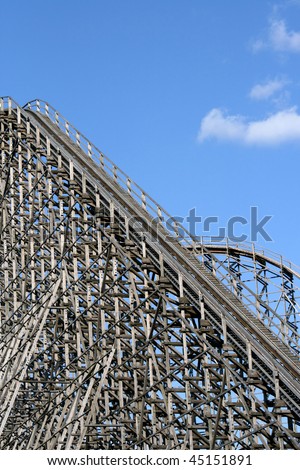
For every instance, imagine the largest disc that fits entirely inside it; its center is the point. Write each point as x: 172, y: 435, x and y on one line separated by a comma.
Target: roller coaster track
x: 119, y: 333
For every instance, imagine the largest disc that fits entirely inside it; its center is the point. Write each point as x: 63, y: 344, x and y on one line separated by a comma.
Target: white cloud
x: 281, y: 127
x: 264, y: 91
x: 215, y: 124
x: 283, y: 40
x: 278, y: 38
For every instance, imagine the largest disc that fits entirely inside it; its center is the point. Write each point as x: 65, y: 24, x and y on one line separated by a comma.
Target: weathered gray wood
x: 111, y: 339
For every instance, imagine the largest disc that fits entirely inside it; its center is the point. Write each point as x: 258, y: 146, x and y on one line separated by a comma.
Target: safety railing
x: 251, y: 248
x: 269, y: 306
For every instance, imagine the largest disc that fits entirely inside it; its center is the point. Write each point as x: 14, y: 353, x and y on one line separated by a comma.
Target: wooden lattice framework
x: 113, y: 334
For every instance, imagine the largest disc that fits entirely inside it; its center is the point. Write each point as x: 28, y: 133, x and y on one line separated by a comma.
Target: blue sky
x: 197, y: 100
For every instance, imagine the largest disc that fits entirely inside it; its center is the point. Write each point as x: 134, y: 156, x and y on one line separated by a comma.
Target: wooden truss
x: 113, y: 334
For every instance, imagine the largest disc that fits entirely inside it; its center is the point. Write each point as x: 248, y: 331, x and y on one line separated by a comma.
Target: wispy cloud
x: 278, y: 128
x: 258, y: 45
x: 216, y: 125
x: 279, y: 38
x: 265, y: 90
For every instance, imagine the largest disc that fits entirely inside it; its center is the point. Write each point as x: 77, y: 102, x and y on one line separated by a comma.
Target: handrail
x: 249, y: 249
x: 285, y: 330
